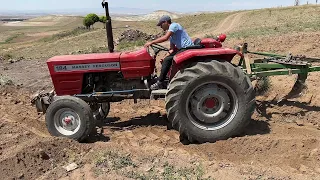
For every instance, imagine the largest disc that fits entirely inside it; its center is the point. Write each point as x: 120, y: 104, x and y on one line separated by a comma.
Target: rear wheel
x: 210, y: 101
x: 70, y: 117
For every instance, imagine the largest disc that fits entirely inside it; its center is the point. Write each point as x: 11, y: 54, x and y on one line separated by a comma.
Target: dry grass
x: 5, y: 80
x: 279, y: 21
x: 111, y: 162
x: 202, y: 22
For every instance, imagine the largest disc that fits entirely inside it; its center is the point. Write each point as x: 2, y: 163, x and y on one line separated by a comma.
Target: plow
x: 208, y: 98
x: 275, y: 65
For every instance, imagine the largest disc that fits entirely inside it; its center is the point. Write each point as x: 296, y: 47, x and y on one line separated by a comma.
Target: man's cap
x: 163, y: 19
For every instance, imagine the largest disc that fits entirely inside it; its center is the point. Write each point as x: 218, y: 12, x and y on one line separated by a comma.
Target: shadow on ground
x: 262, y: 107
x: 255, y: 127
x: 114, y: 124
x: 153, y: 119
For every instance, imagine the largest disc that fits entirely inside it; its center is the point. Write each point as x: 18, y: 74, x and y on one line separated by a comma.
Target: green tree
x: 88, y: 22
x: 91, y: 19
x: 103, y: 19
x: 94, y: 17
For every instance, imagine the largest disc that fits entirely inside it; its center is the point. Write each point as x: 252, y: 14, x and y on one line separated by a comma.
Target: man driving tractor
x: 179, y: 39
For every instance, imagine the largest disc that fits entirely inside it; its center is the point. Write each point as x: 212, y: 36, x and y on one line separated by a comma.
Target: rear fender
x: 218, y: 53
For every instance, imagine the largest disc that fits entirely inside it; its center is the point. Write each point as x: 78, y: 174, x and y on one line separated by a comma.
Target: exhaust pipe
x: 108, y: 27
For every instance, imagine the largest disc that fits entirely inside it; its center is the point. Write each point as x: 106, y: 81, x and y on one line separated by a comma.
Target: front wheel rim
x: 67, y: 122
x: 212, y: 105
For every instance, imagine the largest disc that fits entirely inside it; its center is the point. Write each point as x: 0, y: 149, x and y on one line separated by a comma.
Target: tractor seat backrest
x: 197, y: 44
x: 197, y: 41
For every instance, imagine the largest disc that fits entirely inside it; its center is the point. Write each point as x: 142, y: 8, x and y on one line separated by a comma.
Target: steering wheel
x: 158, y: 46
x: 156, y: 49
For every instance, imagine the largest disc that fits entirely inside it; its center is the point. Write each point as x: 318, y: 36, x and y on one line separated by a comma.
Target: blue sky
x: 133, y: 5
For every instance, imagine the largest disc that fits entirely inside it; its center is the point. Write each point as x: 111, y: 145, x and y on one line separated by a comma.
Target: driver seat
x: 197, y: 44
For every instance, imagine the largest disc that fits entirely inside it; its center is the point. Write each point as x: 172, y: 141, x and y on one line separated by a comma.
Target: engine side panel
x: 136, y: 64
x: 109, y: 81
x: 67, y: 71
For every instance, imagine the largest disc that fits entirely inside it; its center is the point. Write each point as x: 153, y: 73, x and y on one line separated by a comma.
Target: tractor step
x: 158, y: 94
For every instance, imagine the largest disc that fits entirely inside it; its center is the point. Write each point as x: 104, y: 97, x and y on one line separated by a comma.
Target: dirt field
x: 281, y: 142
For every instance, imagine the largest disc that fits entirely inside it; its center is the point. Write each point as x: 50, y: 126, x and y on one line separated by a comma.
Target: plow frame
x: 275, y: 64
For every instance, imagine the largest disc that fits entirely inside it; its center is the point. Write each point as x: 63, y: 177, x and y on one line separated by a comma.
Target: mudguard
x: 223, y: 53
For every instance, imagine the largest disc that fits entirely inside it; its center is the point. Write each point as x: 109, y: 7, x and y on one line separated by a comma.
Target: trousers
x: 166, y: 64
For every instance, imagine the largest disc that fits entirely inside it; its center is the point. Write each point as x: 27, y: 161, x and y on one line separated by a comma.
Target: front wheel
x: 70, y: 117
x: 100, y: 110
x: 210, y: 101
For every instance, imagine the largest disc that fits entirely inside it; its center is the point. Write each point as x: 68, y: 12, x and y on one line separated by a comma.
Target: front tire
x: 210, y: 101
x: 70, y: 117
x: 100, y: 110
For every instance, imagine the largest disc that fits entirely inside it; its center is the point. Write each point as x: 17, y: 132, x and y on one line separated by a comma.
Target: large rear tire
x: 210, y: 101
x: 70, y: 117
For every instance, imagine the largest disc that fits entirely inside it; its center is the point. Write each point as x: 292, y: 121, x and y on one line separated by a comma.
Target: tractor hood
x: 87, y: 62
x: 86, y: 57
x: 67, y: 71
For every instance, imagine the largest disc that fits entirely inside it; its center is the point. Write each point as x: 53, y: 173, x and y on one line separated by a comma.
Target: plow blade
x: 299, y: 87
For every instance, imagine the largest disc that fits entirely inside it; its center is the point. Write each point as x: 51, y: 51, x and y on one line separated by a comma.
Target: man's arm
x: 172, y: 47
x: 160, y: 40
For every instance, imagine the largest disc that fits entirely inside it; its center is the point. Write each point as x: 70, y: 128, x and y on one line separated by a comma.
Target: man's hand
x: 148, y: 44
x: 171, y: 51
x: 160, y: 40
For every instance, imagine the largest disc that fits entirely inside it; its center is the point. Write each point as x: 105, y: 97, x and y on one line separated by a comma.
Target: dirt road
x: 227, y: 25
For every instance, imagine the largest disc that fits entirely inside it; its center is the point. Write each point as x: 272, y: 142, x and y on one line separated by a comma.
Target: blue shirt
x: 180, y: 38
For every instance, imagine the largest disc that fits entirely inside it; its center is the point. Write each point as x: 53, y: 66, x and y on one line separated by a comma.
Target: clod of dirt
x: 70, y: 167
x: 15, y: 60
x: 41, y: 156
x: 136, y: 35
x: 4, y: 80
x: 300, y: 122
x: 303, y: 169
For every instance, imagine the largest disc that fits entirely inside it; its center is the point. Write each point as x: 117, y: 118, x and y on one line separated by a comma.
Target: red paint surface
x: 132, y: 64
x: 226, y: 53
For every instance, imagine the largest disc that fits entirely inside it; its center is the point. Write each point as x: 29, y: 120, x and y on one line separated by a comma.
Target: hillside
x: 237, y: 25
x: 147, y: 17
x: 46, y: 21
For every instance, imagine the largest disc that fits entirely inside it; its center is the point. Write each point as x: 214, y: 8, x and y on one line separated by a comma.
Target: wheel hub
x: 67, y: 121
x: 210, y: 105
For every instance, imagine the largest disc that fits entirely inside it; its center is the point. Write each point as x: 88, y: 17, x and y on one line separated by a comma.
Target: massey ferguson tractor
x: 208, y: 98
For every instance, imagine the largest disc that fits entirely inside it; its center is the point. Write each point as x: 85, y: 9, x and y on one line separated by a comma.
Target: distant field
x: 32, y: 29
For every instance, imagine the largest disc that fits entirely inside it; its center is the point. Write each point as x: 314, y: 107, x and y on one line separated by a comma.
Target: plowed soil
x: 281, y: 142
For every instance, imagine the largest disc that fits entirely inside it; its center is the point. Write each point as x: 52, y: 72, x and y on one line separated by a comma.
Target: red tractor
x: 207, y: 97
